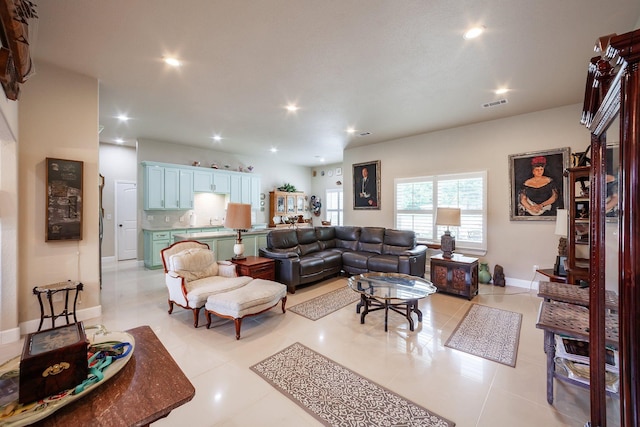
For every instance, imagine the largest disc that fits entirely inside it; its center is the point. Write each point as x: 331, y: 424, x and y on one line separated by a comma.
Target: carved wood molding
x: 15, y: 59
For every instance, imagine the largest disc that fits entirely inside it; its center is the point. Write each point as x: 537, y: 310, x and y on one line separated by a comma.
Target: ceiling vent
x: 364, y: 134
x: 494, y: 103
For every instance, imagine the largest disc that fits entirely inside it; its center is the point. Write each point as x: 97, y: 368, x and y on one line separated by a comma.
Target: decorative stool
x: 52, y: 289
x: 254, y: 298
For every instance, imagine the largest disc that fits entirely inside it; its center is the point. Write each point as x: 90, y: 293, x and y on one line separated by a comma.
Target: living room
x: 57, y: 117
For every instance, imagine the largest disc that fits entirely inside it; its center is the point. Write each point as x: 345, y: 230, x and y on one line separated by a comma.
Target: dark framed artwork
x: 366, y: 185
x: 537, y: 185
x: 64, y: 199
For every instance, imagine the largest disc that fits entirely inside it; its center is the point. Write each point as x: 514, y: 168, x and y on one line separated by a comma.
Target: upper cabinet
x: 172, y: 187
x: 287, y: 204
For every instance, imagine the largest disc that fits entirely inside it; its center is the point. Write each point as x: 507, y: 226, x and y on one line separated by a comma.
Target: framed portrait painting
x: 537, y: 185
x: 64, y: 199
x: 366, y: 185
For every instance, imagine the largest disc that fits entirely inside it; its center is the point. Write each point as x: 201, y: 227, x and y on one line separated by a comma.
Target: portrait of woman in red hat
x: 537, y: 184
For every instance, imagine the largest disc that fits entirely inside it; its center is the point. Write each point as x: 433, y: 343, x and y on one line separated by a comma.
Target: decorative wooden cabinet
x: 457, y: 275
x: 282, y: 203
x: 578, y: 230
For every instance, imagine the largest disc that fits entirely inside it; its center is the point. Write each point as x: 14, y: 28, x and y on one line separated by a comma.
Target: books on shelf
x: 573, y: 355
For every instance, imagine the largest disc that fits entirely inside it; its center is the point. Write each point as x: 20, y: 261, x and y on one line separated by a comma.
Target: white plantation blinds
x: 418, y: 198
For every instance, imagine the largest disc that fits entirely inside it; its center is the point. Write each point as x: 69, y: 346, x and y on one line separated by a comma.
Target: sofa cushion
x: 194, y: 263
x: 199, y: 290
x: 283, y: 239
x: 383, y: 263
x: 326, y: 237
x: 307, y: 241
x: 347, y: 237
x: 371, y: 239
x: 332, y: 259
x: 311, y: 264
x: 356, y: 259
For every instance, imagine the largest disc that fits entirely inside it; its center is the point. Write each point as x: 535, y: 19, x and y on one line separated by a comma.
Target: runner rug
x: 488, y: 332
x: 337, y: 396
x: 325, y: 304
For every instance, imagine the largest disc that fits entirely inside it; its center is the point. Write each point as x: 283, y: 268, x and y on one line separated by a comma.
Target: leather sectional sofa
x: 306, y: 255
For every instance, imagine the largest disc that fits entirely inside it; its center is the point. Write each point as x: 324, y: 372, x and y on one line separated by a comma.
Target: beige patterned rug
x: 325, y: 304
x: 337, y: 396
x: 488, y: 332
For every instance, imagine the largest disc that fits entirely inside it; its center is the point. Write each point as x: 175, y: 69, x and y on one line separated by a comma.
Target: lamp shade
x: 448, y: 216
x: 561, y: 222
x: 238, y: 216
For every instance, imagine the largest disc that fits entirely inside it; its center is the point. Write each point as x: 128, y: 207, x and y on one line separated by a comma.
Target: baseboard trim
x: 10, y: 335
x: 83, y: 314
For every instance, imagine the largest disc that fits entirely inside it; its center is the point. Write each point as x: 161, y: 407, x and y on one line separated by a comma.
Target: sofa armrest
x: 416, y: 250
x: 176, y: 287
x: 277, y: 255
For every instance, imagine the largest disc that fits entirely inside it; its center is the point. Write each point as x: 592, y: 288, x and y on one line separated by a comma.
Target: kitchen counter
x: 187, y: 227
x: 205, y: 235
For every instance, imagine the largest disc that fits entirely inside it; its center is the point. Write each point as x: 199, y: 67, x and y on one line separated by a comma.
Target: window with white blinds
x: 334, y: 207
x: 418, y: 198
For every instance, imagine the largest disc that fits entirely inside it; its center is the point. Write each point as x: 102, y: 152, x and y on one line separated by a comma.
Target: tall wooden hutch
x: 612, y: 92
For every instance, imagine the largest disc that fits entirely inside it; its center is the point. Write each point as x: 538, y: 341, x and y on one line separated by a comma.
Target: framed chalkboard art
x: 64, y: 200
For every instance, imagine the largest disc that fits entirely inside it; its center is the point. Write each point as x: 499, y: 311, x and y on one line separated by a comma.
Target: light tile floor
x: 466, y: 389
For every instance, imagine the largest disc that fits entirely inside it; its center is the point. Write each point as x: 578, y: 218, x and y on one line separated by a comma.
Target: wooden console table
x: 457, y: 275
x: 148, y: 388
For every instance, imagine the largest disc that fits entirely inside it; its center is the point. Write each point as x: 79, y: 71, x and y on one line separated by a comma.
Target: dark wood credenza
x: 457, y: 275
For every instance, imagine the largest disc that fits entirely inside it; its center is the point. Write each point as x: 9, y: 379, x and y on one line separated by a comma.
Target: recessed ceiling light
x: 474, y: 32
x: 123, y: 117
x: 292, y: 108
x: 216, y: 138
x: 351, y: 131
x: 120, y: 140
x: 274, y: 150
x: 501, y: 91
x: 174, y: 62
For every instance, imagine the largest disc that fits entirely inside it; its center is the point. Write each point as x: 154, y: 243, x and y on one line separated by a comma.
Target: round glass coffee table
x: 390, y: 291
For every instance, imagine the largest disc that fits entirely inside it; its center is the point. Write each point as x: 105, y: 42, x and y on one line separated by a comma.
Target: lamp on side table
x: 238, y: 218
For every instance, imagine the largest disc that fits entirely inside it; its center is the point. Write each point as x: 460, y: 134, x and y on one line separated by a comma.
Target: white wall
x: 58, y: 118
x: 516, y: 245
x: 117, y: 163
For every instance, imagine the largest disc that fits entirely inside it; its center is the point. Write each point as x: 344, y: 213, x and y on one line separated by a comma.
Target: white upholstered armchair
x: 192, y: 275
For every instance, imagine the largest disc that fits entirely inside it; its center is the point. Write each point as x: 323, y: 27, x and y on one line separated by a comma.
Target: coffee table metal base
x: 373, y: 304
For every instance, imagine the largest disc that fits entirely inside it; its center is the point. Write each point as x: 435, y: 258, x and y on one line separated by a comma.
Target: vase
x: 483, y: 275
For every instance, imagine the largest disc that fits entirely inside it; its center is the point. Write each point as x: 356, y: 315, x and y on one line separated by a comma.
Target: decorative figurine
x: 498, y: 276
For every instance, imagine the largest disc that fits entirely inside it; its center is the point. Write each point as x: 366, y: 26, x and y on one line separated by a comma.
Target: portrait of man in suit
x: 366, y: 185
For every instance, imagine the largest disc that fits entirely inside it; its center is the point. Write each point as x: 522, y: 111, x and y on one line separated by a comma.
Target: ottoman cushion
x: 256, y: 296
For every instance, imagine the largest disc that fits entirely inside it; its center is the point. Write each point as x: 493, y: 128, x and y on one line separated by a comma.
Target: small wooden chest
x: 52, y: 361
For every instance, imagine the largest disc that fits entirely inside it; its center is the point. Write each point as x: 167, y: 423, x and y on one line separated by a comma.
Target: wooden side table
x: 548, y: 272
x: 457, y: 275
x: 256, y: 267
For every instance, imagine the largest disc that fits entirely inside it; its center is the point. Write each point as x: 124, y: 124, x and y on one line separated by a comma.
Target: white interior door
x: 126, y: 220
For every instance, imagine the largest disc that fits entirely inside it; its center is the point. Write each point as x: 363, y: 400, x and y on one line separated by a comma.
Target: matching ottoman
x: 254, y: 298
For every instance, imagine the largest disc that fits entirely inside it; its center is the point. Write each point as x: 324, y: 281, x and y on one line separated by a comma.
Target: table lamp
x: 562, y: 218
x: 238, y: 218
x: 448, y: 217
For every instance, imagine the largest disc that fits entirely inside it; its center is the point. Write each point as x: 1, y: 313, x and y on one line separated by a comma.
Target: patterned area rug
x: 488, y: 332
x: 325, y: 304
x: 337, y: 396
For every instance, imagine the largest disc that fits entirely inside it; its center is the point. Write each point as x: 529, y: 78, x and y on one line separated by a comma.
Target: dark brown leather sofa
x: 306, y: 255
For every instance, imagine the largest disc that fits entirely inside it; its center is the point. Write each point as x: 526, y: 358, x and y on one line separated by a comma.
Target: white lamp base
x: 238, y: 249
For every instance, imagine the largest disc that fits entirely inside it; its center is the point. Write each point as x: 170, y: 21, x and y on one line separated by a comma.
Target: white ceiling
x: 393, y: 68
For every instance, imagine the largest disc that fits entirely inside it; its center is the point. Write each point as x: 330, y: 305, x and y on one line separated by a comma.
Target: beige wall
x: 58, y: 118
x: 516, y: 245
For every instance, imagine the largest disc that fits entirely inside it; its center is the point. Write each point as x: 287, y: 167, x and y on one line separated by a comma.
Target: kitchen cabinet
x: 154, y: 242
x: 185, y: 198
x: 203, y: 181
x: 221, y: 182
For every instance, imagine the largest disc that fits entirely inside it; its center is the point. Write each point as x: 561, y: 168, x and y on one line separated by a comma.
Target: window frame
x: 339, y: 213
x: 466, y: 245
